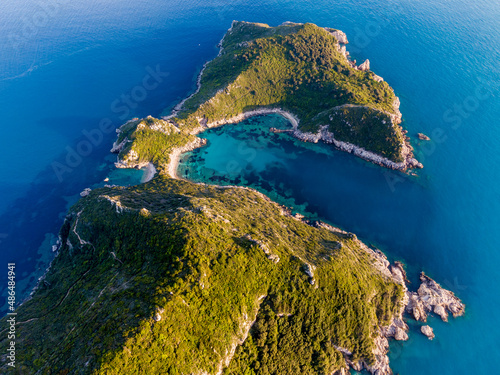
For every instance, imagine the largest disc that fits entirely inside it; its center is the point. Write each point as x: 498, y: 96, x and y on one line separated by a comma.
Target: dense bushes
x: 172, y: 274
x: 300, y: 69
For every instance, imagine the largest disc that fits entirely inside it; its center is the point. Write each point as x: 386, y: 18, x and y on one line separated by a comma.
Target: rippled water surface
x: 72, y: 71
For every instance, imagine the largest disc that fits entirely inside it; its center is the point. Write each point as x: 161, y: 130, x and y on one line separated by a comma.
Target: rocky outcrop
x: 131, y: 160
x: 338, y: 34
x: 416, y: 308
x: 365, y: 66
x: 118, y: 147
x: 85, y: 192
x: 272, y: 257
x: 343, y: 51
x: 176, y: 153
x: 423, y: 137
x: 342, y: 371
x: 309, y: 270
x: 163, y: 126
x: 396, y: 330
x: 431, y: 297
x: 119, y: 207
x: 381, y: 363
x: 427, y: 331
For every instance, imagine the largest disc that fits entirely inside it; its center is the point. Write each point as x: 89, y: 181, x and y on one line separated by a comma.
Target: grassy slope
x: 297, y: 68
x: 182, y: 250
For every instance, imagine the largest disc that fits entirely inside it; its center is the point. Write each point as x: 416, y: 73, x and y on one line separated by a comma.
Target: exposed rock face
x: 273, y: 257
x: 423, y: 137
x: 431, y: 297
x: 163, y: 126
x: 85, y: 192
x: 117, y: 147
x: 342, y: 371
x: 338, y: 34
x: 416, y: 307
x: 381, y: 364
x: 414, y: 163
x: 397, y: 117
x: 396, y: 330
x: 343, y: 51
x: 426, y: 330
x: 309, y: 270
x: 131, y: 160
x: 365, y: 66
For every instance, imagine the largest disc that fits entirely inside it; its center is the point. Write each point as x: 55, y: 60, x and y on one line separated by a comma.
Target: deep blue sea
x: 72, y: 71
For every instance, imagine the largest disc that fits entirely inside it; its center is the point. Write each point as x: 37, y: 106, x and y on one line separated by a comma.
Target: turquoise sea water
x: 71, y: 71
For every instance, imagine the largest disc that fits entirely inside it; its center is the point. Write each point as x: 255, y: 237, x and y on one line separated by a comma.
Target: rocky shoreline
x: 324, y: 135
x: 430, y: 297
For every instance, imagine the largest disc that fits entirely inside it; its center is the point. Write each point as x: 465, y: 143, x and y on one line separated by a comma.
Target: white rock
x: 428, y: 331
x: 85, y: 192
x: 339, y: 35
x: 432, y: 297
x: 439, y: 310
x: 365, y: 66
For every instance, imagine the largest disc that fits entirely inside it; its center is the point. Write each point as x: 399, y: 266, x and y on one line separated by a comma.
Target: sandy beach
x: 149, y: 173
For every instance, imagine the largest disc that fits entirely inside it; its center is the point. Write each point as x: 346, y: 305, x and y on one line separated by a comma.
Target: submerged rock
x: 338, y: 34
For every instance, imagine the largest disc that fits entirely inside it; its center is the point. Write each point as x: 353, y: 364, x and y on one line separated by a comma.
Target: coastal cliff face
x: 149, y: 140
x: 303, y: 70
x: 172, y: 276
x: 176, y: 277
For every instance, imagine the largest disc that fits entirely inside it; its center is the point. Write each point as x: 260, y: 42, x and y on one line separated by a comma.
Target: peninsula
x: 302, y: 72
x: 175, y: 277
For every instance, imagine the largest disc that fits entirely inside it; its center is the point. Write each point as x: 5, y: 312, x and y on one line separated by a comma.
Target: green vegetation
x: 165, y: 277
x: 364, y: 127
x: 172, y: 277
x: 301, y: 69
x: 150, y: 140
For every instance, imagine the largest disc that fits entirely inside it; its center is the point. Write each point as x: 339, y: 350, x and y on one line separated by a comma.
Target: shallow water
x: 73, y: 70
x: 320, y: 182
